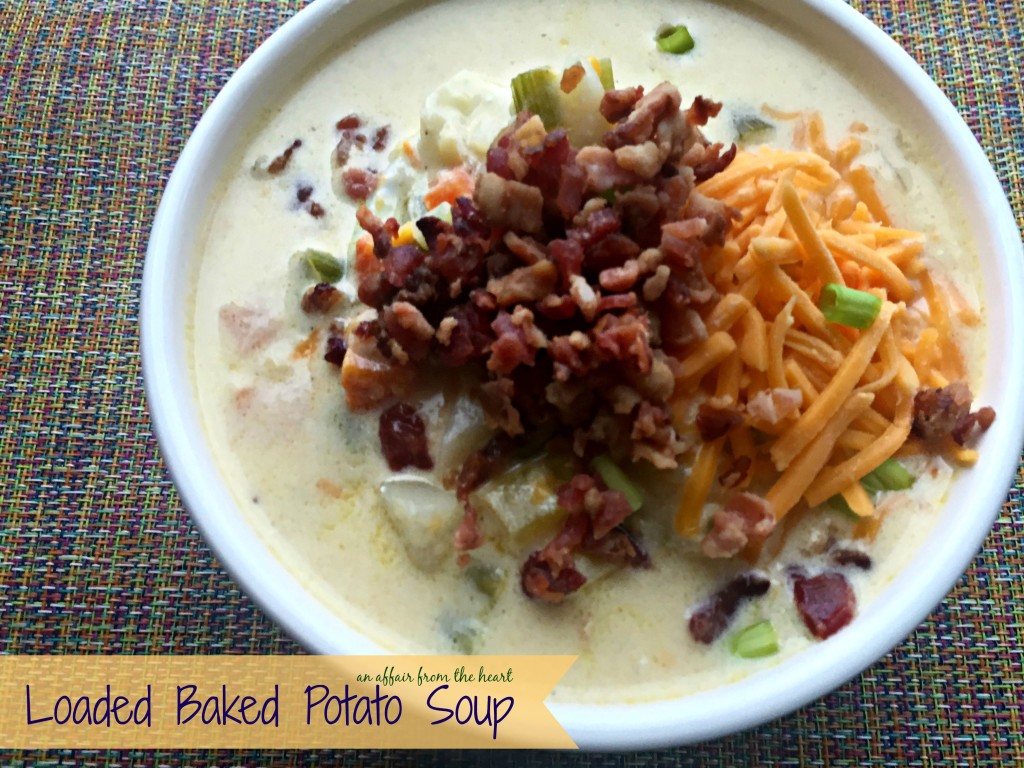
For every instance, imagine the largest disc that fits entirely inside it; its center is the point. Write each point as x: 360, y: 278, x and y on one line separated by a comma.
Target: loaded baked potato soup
x: 651, y: 342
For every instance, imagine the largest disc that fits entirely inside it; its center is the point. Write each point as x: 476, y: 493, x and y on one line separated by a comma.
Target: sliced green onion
x: 675, y: 39
x: 464, y: 634
x: 325, y: 267
x: 890, y: 475
x: 750, y: 128
x: 840, y: 504
x: 538, y: 91
x: 606, y: 74
x: 489, y: 581
x: 848, y: 306
x: 755, y: 641
x: 616, y: 479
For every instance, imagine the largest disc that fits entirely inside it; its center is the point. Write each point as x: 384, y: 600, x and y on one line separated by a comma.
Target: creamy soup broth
x: 280, y: 427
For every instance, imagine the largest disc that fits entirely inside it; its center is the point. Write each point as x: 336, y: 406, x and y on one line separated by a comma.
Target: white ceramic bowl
x: 973, y: 503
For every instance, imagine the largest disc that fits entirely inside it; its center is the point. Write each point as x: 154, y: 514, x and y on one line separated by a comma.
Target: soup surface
x: 309, y: 472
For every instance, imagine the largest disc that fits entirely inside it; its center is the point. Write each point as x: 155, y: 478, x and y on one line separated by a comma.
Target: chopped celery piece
x: 325, y: 267
x: 616, y: 479
x: 751, y: 129
x: 578, y: 111
x: 464, y: 633
x: 538, y: 91
x: 890, y: 475
x: 487, y: 579
x: 755, y: 641
x: 606, y: 73
x: 848, y: 306
x: 674, y: 39
x: 840, y: 504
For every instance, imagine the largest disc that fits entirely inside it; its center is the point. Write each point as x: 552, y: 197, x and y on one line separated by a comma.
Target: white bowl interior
x: 852, y: 40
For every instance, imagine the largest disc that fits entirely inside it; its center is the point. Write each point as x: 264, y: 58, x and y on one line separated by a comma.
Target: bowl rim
x: 765, y: 695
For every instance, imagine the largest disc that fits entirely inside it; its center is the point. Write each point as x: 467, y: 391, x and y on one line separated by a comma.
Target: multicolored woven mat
x: 96, y: 553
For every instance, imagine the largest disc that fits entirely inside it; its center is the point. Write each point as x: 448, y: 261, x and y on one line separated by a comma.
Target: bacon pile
x: 567, y: 281
x: 567, y: 278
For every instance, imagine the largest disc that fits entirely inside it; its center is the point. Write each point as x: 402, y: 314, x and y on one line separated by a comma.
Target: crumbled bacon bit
x: 714, y: 422
x: 619, y: 546
x: 320, y: 298
x: 279, y: 163
x: 849, y: 556
x: 403, y: 438
x: 359, y: 183
x: 316, y: 210
x: 468, y: 535
x: 524, y: 285
x: 713, y: 162
x: 496, y: 399
x: 774, y: 405
x: 349, y: 123
x: 618, y: 103
x: 586, y: 493
x: 745, y: 519
x: 480, y: 467
x: 713, y: 616
x: 303, y: 193
x: 334, y: 352
x: 541, y: 581
x: 973, y: 424
x: 701, y: 110
x: 826, y: 602
x: 736, y: 474
x: 937, y: 410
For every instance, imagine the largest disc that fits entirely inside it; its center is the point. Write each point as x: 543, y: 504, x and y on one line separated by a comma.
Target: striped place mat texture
x: 97, y: 554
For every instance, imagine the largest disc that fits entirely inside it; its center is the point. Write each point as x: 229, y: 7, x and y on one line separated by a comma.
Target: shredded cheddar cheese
x: 809, y: 217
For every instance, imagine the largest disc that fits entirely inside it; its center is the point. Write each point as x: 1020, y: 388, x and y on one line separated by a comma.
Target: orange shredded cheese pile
x: 808, y: 217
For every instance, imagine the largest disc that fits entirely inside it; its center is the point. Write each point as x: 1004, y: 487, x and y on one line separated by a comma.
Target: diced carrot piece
x: 449, y: 186
x: 370, y: 382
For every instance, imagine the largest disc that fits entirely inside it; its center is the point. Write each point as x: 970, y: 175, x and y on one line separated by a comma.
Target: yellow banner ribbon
x: 280, y: 702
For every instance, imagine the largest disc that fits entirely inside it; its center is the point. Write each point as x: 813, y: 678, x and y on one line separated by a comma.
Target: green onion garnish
x: 839, y: 504
x: 890, y: 475
x: 674, y: 39
x: 848, y: 306
x: 606, y: 74
x: 325, y: 267
x: 616, y: 479
x: 755, y: 641
x: 750, y: 128
x: 538, y: 91
x: 489, y: 581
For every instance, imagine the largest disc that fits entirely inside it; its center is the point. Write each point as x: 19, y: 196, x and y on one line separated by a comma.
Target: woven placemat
x: 96, y: 553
